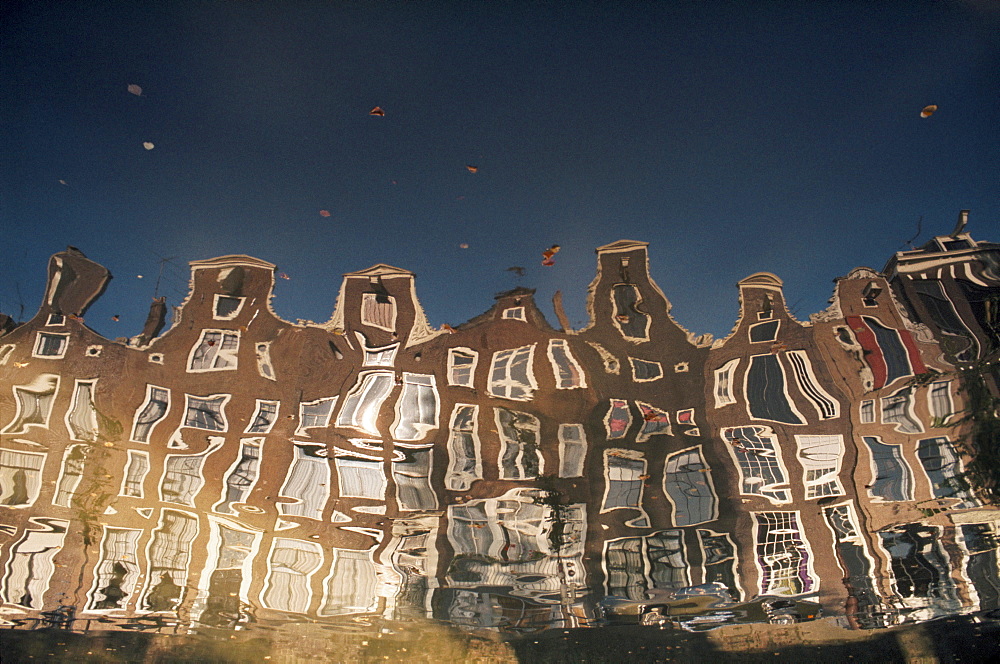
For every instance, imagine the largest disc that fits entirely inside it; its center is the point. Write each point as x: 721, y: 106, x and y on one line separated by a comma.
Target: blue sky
x: 733, y: 137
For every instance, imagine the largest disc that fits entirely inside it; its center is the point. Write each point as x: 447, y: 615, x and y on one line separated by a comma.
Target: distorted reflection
x: 372, y: 471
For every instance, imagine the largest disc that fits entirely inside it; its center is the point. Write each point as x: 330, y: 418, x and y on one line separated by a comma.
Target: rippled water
x: 241, y: 488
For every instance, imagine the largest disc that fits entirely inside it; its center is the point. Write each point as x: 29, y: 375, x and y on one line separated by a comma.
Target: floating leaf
x: 377, y: 111
x: 148, y: 145
x: 324, y: 213
x: 928, y: 111
x: 548, y: 256
x: 135, y: 89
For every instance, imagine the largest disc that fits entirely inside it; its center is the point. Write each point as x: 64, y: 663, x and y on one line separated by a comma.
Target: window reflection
x: 30, y: 565
x: 34, y: 403
x: 412, y: 475
x: 169, y: 555
x: 464, y: 460
x: 893, y: 479
x: 520, y: 456
x: 241, y: 476
x: 784, y: 557
x: 117, y: 571
x: 636, y: 565
x: 687, y: 482
x: 290, y: 566
x: 20, y: 477
x: 351, y: 586
x: 308, y: 482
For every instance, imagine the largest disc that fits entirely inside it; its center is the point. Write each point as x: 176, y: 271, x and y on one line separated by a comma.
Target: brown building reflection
x: 501, y: 474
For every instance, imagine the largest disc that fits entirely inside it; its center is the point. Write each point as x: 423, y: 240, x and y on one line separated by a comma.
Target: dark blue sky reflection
x: 734, y: 137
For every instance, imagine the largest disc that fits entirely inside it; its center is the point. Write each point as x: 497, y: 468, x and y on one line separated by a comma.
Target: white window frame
x: 905, y: 394
x: 71, y: 484
x: 725, y: 381
x: 514, y: 313
x: 215, y: 306
x: 397, y: 470
x: 354, y: 580
x: 40, y: 387
x: 299, y: 579
x: 209, y: 398
x: 40, y: 342
x: 617, y: 315
x: 769, y: 321
x: 728, y: 562
x: 365, y: 462
x: 572, y: 450
x: 322, y: 418
x: 133, y: 455
x: 35, y: 550
x: 197, y: 483
x: 574, y: 367
x: 690, y: 419
x: 786, y: 391
x: 778, y: 493
x: 612, y: 405
x: 453, y: 377
x: 168, y: 553
x: 262, y: 350
x: 633, y: 361
x: 240, y: 463
x: 383, y: 356
x: 829, y: 465
x: 826, y: 406
x: 414, y: 386
x: 505, y: 386
x: 369, y: 297
x: 647, y: 431
x: 221, y: 354
x: 632, y: 455
x: 702, y: 474
x: 5, y: 352
x: 33, y: 483
x: 141, y: 409
x: 777, y: 572
x: 366, y: 420
x: 256, y: 413
x: 456, y: 479
x: 90, y: 415
x: 906, y: 471
x: 119, y: 548
x: 866, y: 411
x: 307, y: 482
x: 520, y: 469
x: 940, y: 389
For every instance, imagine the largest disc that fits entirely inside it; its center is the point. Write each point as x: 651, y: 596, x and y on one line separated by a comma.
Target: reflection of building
x: 502, y: 473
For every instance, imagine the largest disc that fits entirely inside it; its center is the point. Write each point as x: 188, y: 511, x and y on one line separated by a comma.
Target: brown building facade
x: 501, y: 474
